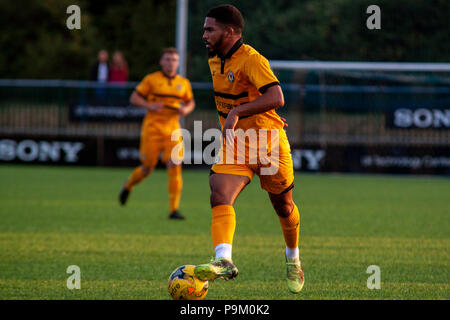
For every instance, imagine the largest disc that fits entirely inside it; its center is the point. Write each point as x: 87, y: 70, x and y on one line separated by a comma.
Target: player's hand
x: 156, y: 107
x: 284, y: 122
x: 230, y: 122
x: 184, y: 111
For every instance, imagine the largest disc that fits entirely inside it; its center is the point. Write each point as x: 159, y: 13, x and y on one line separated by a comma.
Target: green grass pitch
x: 53, y: 217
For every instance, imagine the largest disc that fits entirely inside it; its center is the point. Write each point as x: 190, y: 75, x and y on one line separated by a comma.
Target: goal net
x: 384, y: 115
x: 377, y: 103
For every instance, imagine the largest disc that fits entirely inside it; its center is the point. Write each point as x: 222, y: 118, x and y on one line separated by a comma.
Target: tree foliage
x: 35, y: 42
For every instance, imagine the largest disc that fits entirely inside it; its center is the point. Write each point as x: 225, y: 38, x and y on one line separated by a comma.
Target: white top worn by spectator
x: 102, y: 72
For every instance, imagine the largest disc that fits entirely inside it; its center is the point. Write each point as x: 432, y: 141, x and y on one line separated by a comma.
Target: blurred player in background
x: 247, y: 94
x: 166, y: 95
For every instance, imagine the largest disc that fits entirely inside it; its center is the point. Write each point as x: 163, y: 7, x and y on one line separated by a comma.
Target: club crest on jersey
x: 179, y: 87
x: 230, y: 76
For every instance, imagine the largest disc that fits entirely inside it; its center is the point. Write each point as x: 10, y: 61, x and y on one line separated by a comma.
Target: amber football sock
x: 135, y: 177
x: 223, y: 224
x: 175, y: 186
x: 291, y: 226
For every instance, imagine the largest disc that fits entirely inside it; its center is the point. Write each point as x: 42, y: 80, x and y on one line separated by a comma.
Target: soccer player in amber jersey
x: 247, y: 94
x: 166, y: 95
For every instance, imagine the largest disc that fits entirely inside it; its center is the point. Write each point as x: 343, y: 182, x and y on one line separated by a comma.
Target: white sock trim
x: 223, y: 250
x: 292, y: 253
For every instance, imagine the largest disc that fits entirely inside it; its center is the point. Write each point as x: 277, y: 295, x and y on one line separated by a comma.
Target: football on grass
x: 184, y: 285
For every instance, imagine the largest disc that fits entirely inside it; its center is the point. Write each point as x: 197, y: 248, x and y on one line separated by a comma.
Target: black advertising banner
x: 98, y: 112
x: 306, y: 158
x: 48, y: 150
x: 372, y: 159
x: 125, y: 152
x: 418, y: 118
x: 121, y: 152
x: 405, y: 159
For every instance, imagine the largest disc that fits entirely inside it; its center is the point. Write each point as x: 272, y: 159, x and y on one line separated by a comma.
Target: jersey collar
x: 166, y: 76
x: 233, y: 49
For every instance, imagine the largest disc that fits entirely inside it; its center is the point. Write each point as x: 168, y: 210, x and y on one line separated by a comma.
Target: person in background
x: 100, y: 70
x: 118, y: 71
x: 100, y: 73
x: 118, y: 74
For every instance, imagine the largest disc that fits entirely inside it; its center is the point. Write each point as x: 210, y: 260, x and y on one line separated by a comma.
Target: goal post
x: 361, y: 66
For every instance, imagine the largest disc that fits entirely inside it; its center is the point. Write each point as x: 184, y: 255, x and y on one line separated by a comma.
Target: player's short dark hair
x: 228, y: 15
x: 169, y: 50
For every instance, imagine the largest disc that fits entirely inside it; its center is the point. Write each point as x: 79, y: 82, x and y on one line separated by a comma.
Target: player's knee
x: 219, y: 198
x: 146, y: 170
x: 170, y: 164
x: 283, y: 208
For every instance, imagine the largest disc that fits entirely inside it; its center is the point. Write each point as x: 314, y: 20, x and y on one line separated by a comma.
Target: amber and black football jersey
x: 241, y: 77
x: 157, y: 87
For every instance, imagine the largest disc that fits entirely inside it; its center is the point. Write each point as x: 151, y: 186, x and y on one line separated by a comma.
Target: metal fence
x: 350, y: 120
x: 367, y: 107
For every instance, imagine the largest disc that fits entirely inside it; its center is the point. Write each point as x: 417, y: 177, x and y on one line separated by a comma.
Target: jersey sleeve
x: 259, y: 73
x: 144, y: 88
x: 188, y: 95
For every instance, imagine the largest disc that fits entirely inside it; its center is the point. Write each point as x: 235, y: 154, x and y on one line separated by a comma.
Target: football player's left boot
x: 176, y: 215
x: 123, y: 196
x: 295, y: 277
x: 217, y: 268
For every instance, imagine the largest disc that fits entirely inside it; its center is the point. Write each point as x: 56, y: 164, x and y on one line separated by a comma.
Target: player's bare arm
x: 137, y: 100
x: 271, y: 99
